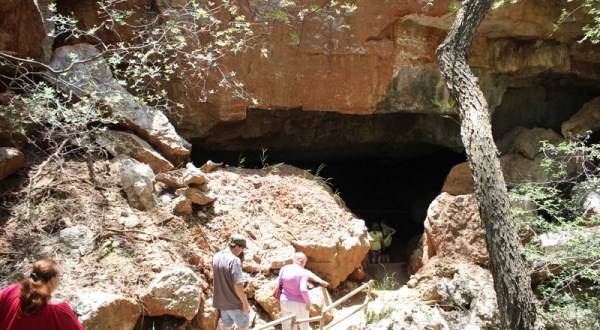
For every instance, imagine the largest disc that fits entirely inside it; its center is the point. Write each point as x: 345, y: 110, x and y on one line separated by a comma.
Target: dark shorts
x: 374, y: 253
x: 229, y: 316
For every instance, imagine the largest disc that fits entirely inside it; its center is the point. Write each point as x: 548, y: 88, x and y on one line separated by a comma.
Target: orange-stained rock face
x: 24, y: 29
x: 329, y: 69
x: 383, y: 63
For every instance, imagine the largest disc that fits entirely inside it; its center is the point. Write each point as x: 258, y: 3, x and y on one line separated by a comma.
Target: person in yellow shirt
x: 387, y: 232
x: 376, y: 244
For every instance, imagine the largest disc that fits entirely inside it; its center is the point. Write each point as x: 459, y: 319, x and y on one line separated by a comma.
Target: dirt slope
x: 280, y: 208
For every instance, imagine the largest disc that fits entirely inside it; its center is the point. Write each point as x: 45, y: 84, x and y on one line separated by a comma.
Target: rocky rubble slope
x: 120, y: 263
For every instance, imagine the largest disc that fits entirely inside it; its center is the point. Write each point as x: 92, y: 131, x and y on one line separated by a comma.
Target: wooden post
x: 326, y: 303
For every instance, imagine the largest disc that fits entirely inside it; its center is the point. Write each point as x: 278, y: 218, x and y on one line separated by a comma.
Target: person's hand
x: 246, y: 308
x: 308, y: 307
x: 324, y: 283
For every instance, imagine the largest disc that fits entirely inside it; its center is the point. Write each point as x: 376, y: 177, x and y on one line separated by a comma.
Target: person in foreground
x: 294, y: 296
x: 228, y: 285
x: 29, y: 305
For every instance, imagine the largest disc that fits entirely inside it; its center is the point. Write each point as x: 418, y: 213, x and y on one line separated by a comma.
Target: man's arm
x: 239, y: 290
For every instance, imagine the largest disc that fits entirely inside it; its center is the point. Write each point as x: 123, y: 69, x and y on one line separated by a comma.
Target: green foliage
x: 149, y: 48
x: 290, y: 13
x: 349, y: 8
x: 279, y: 15
x: 295, y: 38
x: 263, y: 158
x: 592, y: 32
x: 388, y: 283
x: 444, y: 107
x: 570, y: 294
x: 319, y: 178
x: 501, y: 3
x: 33, y: 211
x: 189, y: 39
x: 565, y: 236
x: 385, y: 307
x: 241, y: 161
x: 453, y: 7
x: 275, y: 168
x: 62, y: 117
x: 375, y: 317
x: 108, y: 250
x: 591, y: 8
x: 66, y: 125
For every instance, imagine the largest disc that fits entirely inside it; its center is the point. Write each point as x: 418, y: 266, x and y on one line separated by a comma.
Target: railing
x: 277, y: 322
x: 328, y: 307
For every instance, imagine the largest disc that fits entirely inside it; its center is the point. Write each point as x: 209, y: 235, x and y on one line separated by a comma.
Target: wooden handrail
x: 348, y: 296
x: 325, y: 310
x: 340, y: 319
x: 277, y: 322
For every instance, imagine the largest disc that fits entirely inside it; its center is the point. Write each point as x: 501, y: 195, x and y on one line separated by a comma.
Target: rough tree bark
x: 512, y: 284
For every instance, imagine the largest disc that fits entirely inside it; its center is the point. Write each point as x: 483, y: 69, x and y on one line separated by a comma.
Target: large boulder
x: 106, y: 311
x: 459, y: 181
x: 124, y: 143
x: 333, y: 261
x: 77, y: 240
x: 137, y: 180
x: 465, y: 290
x: 453, y: 231
x: 11, y: 160
x: 285, y: 209
x: 174, y: 292
x: 586, y: 120
x: 521, y: 159
x: 208, y: 316
x: 26, y: 29
x: 527, y: 142
x: 94, y: 76
x: 182, y: 178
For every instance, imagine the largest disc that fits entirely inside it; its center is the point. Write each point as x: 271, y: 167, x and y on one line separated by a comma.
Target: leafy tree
x: 146, y: 47
x: 162, y: 45
x: 511, y: 282
x: 563, y: 225
x: 591, y: 31
x: 592, y: 8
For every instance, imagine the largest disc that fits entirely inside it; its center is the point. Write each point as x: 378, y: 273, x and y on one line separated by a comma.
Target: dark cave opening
x: 396, y: 189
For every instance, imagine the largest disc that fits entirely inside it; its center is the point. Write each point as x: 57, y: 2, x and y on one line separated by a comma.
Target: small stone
x: 412, y: 283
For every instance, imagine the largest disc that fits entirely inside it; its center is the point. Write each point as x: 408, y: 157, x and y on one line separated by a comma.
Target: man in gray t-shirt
x: 228, y: 285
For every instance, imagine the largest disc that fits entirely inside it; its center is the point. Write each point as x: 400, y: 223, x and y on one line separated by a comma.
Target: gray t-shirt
x: 227, y: 271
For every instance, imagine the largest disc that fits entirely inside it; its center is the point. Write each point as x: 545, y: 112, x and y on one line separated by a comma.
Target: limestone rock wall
x: 384, y: 64
x: 24, y: 27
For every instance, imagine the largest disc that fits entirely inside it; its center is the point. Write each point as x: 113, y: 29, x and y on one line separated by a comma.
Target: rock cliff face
x: 369, y: 86
x: 385, y: 67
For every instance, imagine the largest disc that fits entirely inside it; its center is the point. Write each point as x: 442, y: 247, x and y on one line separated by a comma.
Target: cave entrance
x: 395, y: 189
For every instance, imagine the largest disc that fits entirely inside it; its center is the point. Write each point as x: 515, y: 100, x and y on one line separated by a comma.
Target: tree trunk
x: 511, y: 282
